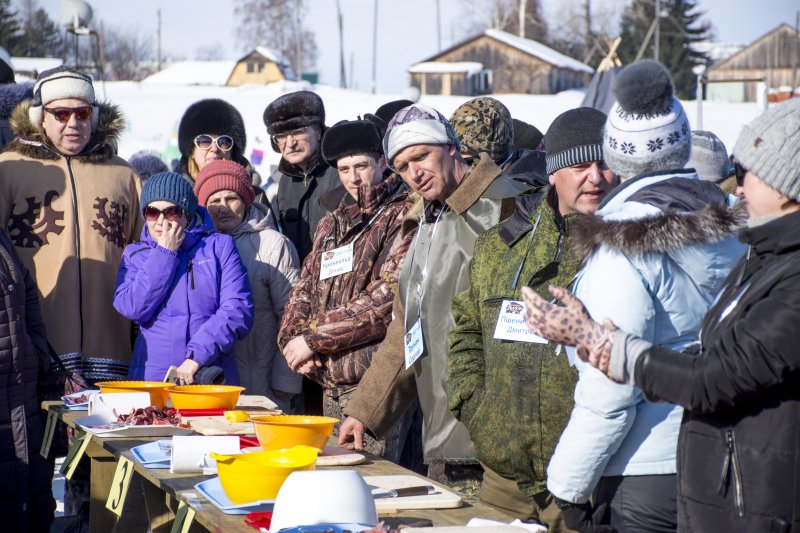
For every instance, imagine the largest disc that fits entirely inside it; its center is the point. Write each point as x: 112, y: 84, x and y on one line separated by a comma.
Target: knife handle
x: 421, y: 490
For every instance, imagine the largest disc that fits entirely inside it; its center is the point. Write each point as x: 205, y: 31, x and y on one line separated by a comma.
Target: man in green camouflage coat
x: 513, y: 391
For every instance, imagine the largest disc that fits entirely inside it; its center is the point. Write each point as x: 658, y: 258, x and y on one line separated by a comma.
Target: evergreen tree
x: 680, y: 28
x: 41, y: 36
x: 10, y: 30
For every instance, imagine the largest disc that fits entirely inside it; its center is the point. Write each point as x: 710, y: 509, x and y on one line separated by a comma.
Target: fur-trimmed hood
x: 658, y: 234
x: 31, y: 141
x: 659, y: 214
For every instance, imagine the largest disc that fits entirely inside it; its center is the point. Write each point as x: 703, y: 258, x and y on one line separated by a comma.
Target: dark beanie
x: 526, y: 135
x: 384, y: 114
x: 211, y: 116
x: 294, y: 110
x: 350, y: 137
x: 574, y: 137
x: 172, y: 187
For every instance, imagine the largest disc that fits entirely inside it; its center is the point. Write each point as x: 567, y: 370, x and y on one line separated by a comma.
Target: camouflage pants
x: 390, y: 447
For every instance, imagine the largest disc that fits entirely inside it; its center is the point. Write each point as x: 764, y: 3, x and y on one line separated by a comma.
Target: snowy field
x: 154, y: 110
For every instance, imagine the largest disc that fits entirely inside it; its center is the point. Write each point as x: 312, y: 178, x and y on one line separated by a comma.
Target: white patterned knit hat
x: 646, y: 130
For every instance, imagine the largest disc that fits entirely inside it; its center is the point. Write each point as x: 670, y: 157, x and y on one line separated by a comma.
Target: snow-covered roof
x: 537, y: 49
x: 35, y: 64
x: 716, y: 52
x: 193, y: 73
x: 271, y: 54
x: 468, y: 67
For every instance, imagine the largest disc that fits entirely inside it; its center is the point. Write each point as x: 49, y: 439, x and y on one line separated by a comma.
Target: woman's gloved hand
x: 570, y: 325
x: 583, y: 517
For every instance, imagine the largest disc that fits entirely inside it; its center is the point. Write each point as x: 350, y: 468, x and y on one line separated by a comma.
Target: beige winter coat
x: 70, y: 219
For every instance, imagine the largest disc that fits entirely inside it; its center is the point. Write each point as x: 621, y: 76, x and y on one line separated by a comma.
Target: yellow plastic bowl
x: 159, y: 391
x: 205, y: 396
x: 249, y: 477
x: 285, y: 431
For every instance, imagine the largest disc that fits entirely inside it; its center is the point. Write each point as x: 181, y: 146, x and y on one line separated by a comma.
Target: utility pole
x: 375, y: 48
x: 438, y: 24
x: 658, y: 30
x: 158, y: 45
x: 342, y: 72
x: 522, y: 18
x: 588, y: 27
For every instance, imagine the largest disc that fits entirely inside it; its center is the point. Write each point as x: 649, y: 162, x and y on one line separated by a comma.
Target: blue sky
x: 407, y: 28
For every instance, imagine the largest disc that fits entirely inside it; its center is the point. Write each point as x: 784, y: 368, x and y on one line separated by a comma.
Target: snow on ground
x: 154, y: 111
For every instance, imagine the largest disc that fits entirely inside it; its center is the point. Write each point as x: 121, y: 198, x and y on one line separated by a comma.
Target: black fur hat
x: 350, y: 137
x: 213, y: 116
x: 294, y: 110
x: 385, y: 113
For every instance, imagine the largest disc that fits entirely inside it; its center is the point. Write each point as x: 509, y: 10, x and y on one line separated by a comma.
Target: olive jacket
x: 514, y: 397
x: 444, y: 249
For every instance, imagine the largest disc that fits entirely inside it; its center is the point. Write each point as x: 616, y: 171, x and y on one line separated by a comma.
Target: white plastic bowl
x: 314, y: 497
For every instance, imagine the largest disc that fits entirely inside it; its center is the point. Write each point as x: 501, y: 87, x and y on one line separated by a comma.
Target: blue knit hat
x: 171, y: 187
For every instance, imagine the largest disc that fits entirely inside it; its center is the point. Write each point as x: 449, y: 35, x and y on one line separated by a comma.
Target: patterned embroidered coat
x: 344, y: 318
x: 70, y: 219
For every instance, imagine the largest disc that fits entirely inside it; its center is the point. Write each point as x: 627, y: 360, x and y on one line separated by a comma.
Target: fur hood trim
x: 31, y: 141
x: 661, y: 234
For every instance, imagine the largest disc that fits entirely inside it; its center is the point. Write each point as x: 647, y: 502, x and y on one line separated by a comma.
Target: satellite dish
x: 75, y: 13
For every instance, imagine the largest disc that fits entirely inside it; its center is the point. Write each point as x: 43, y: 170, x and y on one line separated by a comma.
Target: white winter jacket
x: 659, y: 248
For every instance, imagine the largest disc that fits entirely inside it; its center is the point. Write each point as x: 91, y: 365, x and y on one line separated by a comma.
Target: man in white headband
x: 457, y: 202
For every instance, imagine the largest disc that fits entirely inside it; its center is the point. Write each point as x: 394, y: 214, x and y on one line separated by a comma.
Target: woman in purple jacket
x: 184, y: 285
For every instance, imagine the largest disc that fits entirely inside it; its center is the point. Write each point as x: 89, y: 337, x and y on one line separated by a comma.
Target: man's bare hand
x: 297, y: 353
x: 351, y: 434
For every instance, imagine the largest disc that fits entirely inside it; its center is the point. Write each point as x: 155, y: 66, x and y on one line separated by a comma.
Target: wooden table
x: 154, y: 494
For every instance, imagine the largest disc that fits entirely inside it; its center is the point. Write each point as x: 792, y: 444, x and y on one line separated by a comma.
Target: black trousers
x: 640, y: 504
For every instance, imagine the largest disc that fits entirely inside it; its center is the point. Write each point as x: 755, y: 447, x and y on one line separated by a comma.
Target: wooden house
x: 774, y: 57
x: 498, y: 62
x: 260, y: 66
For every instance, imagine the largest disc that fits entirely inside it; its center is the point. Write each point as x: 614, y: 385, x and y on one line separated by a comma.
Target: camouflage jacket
x: 514, y: 397
x: 344, y: 318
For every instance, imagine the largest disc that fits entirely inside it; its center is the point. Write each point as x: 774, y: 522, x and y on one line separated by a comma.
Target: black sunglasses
x: 172, y: 213
x: 739, y: 171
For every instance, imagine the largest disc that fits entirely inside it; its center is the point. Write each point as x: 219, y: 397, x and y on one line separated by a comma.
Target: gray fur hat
x: 770, y: 147
x: 647, y: 129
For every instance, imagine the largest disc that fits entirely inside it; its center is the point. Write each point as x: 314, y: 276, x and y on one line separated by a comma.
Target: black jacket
x: 739, y: 446
x: 299, y: 209
x: 26, y: 500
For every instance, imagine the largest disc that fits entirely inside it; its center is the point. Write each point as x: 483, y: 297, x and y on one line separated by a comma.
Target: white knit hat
x: 61, y: 82
x: 647, y: 130
x: 417, y: 124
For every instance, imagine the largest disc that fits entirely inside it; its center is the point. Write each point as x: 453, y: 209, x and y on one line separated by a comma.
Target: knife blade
x: 420, y: 490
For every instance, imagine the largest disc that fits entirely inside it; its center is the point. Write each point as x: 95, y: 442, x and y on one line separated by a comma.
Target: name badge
x: 511, y: 324
x: 336, y: 261
x: 414, y: 344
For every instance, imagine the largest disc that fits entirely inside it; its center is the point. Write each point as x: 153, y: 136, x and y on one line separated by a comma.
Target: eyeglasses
x: 172, y: 213
x: 223, y: 142
x: 739, y: 171
x: 300, y: 134
x: 63, y: 114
